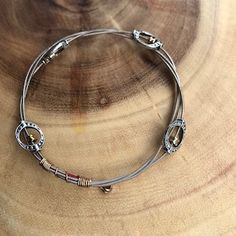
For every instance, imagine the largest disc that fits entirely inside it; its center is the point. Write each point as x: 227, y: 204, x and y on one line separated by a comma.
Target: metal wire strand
x: 178, y: 107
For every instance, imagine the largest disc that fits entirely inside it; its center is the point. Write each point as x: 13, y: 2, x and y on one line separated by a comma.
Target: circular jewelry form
x: 33, y: 147
x: 168, y: 145
x: 149, y: 41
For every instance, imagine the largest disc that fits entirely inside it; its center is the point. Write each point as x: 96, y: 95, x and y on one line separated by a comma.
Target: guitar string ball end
x: 106, y: 189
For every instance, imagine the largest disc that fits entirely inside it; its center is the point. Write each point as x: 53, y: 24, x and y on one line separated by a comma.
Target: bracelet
x: 172, y: 137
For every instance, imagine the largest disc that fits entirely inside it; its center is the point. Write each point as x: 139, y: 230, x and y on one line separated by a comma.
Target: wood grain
x: 103, y: 106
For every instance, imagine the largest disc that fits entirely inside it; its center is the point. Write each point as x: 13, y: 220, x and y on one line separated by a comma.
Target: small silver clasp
x: 147, y: 39
x: 55, y: 51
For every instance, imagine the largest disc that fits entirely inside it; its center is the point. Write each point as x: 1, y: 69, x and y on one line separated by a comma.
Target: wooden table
x: 103, y: 106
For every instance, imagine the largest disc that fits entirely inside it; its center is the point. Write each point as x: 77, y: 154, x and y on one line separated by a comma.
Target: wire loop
x: 170, y: 143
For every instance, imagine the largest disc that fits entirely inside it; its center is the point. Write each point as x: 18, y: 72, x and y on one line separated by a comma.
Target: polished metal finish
x: 54, y: 51
x: 106, y: 189
x: 174, y: 144
x: 170, y: 142
x: 147, y: 39
x: 32, y: 146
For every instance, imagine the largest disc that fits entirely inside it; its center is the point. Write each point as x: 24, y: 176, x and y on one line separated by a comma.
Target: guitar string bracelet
x: 172, y: 137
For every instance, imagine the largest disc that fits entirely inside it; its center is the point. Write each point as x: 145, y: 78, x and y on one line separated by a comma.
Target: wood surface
x: 103, y: 106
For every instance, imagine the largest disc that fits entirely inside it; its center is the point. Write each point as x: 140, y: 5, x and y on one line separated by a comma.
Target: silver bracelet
x: 172, y: 137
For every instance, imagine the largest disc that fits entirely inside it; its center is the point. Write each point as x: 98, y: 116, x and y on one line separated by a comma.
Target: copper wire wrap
x: 45, y: 164
x: 84, y: 182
